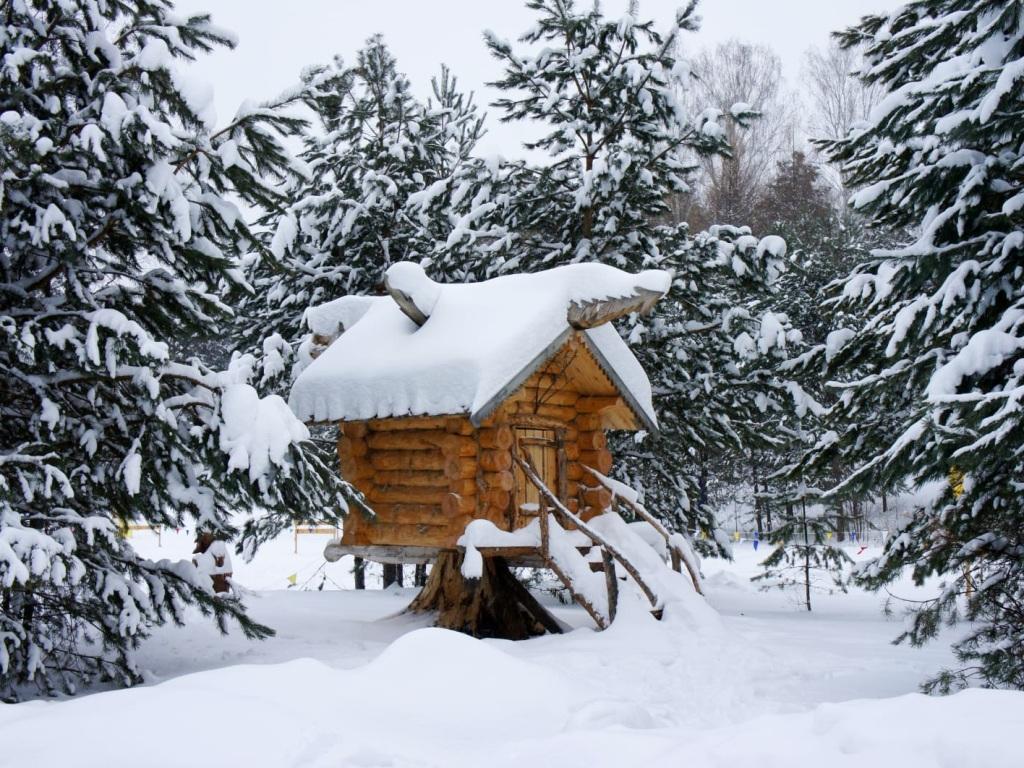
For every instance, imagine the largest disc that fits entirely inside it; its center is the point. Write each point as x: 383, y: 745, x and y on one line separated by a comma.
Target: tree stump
x: 496, y: 605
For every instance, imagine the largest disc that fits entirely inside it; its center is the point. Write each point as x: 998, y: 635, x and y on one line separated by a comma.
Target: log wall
x: 427, y: 477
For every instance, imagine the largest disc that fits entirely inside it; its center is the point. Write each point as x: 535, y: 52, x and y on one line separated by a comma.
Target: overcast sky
x: 277, y: 40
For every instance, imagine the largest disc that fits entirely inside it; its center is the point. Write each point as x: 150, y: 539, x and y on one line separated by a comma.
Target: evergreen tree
x: 941, y: 350
x: 804, y: 553
x: 619, y: 143
x: 619, y: 138
x: 373, y: 147
x: 117, y: 231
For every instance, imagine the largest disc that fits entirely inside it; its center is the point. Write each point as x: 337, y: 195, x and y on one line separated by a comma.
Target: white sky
x: 278, y: 39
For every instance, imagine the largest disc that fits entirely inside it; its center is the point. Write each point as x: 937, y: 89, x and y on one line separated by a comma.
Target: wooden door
x: 542, y: 447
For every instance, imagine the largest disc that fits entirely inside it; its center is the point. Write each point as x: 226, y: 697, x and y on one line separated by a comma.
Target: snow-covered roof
x: 433, y: 349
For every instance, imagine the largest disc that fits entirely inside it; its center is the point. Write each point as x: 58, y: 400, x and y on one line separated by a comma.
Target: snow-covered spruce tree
x: 115, y: 232
x: 618, y: 136
x: 607, y: 93
x: 944, y: 339
x: 805, y: 555
x: 372, y: 147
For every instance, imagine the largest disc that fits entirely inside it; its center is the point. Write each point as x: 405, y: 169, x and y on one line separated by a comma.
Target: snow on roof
x: 477, y: 342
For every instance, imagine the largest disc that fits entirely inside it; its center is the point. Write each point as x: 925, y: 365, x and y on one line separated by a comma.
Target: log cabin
x: 437, y: 389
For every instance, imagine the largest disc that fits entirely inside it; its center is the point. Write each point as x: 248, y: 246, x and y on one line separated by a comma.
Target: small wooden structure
x: 467, y: 402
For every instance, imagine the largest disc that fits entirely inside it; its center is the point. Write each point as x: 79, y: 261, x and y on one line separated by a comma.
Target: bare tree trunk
x: 757, y: 501
x: 807, y: 558
x: 420, y: 577
x: 495, y: 605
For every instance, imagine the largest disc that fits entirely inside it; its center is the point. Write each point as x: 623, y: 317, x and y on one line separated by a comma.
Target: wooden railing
x: 676, y: 555
x: 610, y: 554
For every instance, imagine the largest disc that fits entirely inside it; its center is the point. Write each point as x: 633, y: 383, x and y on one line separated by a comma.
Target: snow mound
x: 436, y: 698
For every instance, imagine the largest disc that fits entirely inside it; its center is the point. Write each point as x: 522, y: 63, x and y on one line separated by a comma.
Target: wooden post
x: 359, y: 572
x: 544, y: 532
x: 611, y: 580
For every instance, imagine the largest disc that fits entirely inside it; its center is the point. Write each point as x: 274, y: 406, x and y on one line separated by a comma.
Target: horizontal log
x: 467, y: 486
x: 533, y: 421
x: 599, y: 460
x: 459, y: 467
x: 407, y: 460
x: 601, y: 498
x: 497, y: 498
x: 456, y: 505
x: 593, y: 441
x: 354, y: 429
x: 574, y: 470
x: 352, y: 446
x: 412, y: 440
x: 552, y: 396
x: 382, y: 553
x: 422, y: 440
x: 406, y: 423
x: 411, y: 477
x: 596, y: 403
x: 354, y: 469
x: 430, y: 514
x: 588, y: 422
x: 545, y: 381
x: 459, y: 426
x: 557, y: 412
x: 572, y: 488
x: 496, y: 438
x: 409, y: 535
x: 495, y: 461
x: 497, y: 515
x: 405, y: 494
x: 502, y: 481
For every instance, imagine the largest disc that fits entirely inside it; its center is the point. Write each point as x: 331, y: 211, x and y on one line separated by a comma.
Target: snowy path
x: 348, y: 683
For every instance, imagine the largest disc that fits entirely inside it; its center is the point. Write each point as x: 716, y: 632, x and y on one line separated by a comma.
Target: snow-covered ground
x: 348, y: 681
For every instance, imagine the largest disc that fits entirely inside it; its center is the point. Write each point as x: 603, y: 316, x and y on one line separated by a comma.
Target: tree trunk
x: 495, y: 605
x: 359, y: 572
x: 420, y: 577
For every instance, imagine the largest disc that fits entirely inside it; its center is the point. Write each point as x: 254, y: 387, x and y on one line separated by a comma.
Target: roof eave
x: 634, y: 405
x: 481, y: 413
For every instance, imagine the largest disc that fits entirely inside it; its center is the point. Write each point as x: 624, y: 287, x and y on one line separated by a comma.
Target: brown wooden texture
x: 495, y: 605
x: 409, y: 423
x: 456, y: 505
x: 501, y: 481
x: 495, y: 461
x: 499, y: 437
x: 599, y: 460
x: 410, y: 460
x: 410, y: 477
x: 459, y: 467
